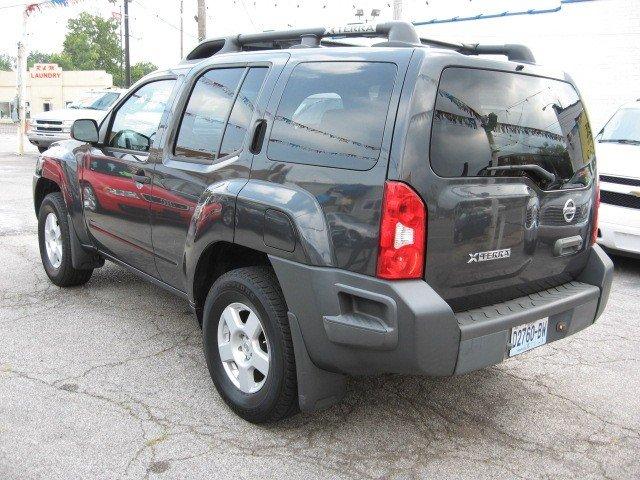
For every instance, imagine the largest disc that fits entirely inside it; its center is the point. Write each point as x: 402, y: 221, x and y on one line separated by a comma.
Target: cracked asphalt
x: 108, y: 381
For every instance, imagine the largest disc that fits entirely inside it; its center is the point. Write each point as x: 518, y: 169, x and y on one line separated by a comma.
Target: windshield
x: 490, y: 123
x: 96, y: 100
x: 624, y: 127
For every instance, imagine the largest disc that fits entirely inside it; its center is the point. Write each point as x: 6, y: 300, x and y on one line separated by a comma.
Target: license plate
x: 528, y: 336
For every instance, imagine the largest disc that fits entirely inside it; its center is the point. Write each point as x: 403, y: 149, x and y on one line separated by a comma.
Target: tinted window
x: 333, y: 114
x: 203, y: 120
x: 486, y: 119
x: 242, y: 111
x: 137, y: 119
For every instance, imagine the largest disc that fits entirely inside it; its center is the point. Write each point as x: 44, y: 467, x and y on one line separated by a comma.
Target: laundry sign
x: 45, y: 70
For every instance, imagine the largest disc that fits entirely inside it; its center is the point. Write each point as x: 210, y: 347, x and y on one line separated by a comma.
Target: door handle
x: 567, y: 246
x: 257, y: 138
x: 140, y: 177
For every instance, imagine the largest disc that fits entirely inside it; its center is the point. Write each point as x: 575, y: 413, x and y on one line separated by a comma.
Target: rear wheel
x: 248, y: 347
x: 55, y: 243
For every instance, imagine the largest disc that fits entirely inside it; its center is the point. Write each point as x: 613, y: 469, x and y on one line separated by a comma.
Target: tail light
x: 596, y: 207
x: 403, y: 228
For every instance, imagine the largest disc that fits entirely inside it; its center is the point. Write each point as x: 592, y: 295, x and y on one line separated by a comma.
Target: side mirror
x: 85, y: 130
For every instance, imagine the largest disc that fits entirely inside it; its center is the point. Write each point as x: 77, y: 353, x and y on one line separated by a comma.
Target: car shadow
x: 628, y: 265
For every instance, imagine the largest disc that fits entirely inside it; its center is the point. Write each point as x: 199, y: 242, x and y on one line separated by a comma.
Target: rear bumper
x: 354, y: 324
x: 619, y: 229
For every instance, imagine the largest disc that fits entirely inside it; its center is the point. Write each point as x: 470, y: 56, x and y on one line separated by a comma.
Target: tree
x: 92, y: 43
x: 40, y: 57
x: 6, y: 62
x: 141, y: 69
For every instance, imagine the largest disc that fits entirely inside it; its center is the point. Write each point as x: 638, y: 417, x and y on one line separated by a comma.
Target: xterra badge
x: 490, y: 255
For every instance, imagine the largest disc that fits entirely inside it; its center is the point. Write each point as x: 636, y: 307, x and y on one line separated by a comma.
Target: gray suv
x: 330, y: 209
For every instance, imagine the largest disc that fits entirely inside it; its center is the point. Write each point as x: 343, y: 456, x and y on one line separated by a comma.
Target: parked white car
x: 48, y: 127
x: 618, y: 153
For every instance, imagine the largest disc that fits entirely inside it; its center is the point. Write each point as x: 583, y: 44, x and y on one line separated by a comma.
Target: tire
x: 42, y: 149
x: 257, y: 289
x: 59, y: 267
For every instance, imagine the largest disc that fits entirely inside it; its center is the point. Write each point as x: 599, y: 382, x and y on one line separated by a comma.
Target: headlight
x: 66, y: 126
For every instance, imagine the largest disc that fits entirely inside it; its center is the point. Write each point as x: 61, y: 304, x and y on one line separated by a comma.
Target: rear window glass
x: 333, y: 114
x: 242, y: 111
x: 203, y: 121
x: 485, y: 119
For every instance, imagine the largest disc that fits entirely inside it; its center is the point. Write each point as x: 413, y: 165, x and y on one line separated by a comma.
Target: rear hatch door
x: 510, y: 198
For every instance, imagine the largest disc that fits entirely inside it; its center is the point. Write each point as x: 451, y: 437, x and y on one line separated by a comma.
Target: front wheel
x: 55, y: 243
x: 248, y: 347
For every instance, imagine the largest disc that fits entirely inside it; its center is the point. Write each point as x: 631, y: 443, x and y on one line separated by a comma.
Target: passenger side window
x: 202, y: 124
x: 137, y: 120
x: 242, y: 111
x: 333, y: 114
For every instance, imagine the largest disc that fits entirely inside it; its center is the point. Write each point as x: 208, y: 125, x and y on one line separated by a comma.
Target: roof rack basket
x: 397, y: 34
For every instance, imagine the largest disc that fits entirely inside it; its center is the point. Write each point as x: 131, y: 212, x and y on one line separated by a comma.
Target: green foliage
x: 40, y: 57
x: 141, y: 69
x: 6, y: 62
x: 92, y: 43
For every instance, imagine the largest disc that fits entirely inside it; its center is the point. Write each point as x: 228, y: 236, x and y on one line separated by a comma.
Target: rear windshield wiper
x: 532, y: 168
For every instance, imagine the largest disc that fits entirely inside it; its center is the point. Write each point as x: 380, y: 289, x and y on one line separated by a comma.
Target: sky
x: 154, y: 24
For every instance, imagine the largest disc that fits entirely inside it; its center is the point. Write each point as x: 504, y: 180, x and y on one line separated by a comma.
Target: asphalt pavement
x: 108, y: 381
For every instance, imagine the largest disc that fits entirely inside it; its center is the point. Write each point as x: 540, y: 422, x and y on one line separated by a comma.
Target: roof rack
x: 513, y: 51
x: 396, y: 32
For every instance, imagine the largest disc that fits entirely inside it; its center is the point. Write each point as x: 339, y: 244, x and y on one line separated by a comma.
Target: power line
x: 13, y: 6
x: 248, y: 14
x: 155, y: 14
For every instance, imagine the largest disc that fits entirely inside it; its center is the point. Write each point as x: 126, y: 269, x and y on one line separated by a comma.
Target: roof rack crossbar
x: 513, y: 52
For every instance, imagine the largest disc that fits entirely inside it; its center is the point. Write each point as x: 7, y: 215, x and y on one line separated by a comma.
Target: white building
x: 49, y: 87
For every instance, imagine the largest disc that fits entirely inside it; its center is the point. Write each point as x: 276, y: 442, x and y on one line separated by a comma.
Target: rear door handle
x: 257, y: 138
x: 140, y: 177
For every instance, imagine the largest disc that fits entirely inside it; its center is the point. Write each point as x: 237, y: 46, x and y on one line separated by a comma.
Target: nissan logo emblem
x: 569, y: 211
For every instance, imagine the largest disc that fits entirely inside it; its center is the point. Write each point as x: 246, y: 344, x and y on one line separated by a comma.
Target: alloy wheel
x: 243, y: 347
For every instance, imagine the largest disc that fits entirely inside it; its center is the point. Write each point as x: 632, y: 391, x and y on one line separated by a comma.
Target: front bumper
x: 354, y: 324
x: 619, y: 229
x: 41, y: 139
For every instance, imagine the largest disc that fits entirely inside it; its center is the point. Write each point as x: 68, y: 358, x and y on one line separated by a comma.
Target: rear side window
x: 486, y: 119
x: 242, y: 111
x: 333, y: 114
x: 204, y: 118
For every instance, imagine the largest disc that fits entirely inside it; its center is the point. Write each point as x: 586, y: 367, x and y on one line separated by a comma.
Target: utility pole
x: 202, y: 20
x: 181, y: 29
x: 127, y: 65
x: 397, y: 9
x: 22, y: 84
